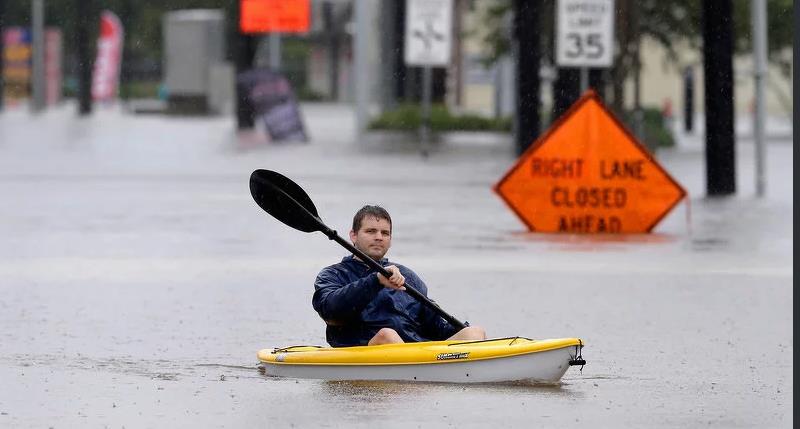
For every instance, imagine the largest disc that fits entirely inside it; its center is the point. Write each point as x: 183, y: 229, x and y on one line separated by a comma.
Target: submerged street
x: 138, y: 279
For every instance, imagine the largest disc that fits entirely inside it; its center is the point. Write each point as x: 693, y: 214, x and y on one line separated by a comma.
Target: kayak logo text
x: 449, y: 356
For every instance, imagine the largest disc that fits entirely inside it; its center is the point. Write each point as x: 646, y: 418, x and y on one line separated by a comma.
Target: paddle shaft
x: 424, y: 300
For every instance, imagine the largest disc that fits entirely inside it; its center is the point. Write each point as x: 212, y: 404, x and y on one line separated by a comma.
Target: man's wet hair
x: 377, y: 212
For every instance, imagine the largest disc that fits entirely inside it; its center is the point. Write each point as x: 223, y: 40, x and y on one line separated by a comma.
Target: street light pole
x: 759, y: 13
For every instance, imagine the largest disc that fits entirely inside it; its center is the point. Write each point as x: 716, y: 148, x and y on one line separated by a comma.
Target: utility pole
x: 528, y: 50
x: 718, y: 75
x: 83, y: 10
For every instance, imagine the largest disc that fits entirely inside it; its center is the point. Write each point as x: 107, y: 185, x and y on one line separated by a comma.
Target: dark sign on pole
x: 274, y: 102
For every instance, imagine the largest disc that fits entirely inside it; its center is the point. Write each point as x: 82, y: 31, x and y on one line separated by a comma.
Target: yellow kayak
x: 514, y: 359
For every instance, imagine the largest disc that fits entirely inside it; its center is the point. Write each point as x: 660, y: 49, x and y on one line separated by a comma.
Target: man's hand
x: 396, y: 281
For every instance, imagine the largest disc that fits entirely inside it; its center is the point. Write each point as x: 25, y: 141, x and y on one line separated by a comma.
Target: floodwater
x: 138, y: 280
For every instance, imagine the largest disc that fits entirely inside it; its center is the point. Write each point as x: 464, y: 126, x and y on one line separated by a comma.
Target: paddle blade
x: 284, y: 200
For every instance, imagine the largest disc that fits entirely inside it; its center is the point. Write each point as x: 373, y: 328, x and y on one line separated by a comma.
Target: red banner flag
x: 105, y: 76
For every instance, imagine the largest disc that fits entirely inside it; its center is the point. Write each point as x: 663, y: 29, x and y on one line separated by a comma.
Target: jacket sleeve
x: 432, y: 325
x: 336, y: 300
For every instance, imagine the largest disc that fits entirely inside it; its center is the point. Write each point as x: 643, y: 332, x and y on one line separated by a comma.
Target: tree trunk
x: 718, y: 71
x: 528, y: 43
x: 84, y: 14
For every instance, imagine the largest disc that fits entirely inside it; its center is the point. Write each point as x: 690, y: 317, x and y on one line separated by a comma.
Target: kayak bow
x: 514, y: 359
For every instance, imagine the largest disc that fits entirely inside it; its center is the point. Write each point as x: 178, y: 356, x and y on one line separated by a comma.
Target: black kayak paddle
x: 289, y: 203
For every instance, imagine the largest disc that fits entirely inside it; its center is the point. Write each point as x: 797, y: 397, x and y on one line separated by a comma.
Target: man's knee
x: 470, y: 333
x: 385, y: 336
x: 475, y: 333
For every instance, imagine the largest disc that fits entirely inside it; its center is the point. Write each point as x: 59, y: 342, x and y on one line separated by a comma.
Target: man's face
x: 373, y: 238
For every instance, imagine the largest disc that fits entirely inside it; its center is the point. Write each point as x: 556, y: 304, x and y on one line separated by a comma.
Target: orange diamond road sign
x: 588, y: 174
x: 274, y: 16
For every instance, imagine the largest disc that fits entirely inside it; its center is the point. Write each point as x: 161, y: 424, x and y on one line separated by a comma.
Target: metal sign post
x: 584, y: 79
x: 427, y: 44
x: 425, y: 124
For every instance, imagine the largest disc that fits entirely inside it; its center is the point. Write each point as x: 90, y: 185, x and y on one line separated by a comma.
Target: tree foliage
x: 667, y: 22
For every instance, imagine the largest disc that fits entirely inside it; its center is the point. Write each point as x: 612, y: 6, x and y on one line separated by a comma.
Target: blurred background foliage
x: 672, y: 24
x: 667, y: 22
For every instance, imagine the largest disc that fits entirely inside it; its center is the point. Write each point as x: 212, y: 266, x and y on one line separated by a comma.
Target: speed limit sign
x: 585, y: 33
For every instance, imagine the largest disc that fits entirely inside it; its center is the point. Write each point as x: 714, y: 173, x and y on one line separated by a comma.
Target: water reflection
x: 378, y: 391
x: 594, y: 242
x: 590, y: 240
x: 370, y: 391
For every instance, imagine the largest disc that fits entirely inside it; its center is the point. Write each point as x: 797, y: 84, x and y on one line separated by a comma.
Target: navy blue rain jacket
x: 355, y: 306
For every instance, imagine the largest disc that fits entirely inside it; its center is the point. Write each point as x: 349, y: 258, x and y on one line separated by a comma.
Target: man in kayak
x: 362, y: 307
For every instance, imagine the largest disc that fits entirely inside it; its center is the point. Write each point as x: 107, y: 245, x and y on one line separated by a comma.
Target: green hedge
x: 407, y: 117
x: 655, y: 130
x: 137, y: 89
